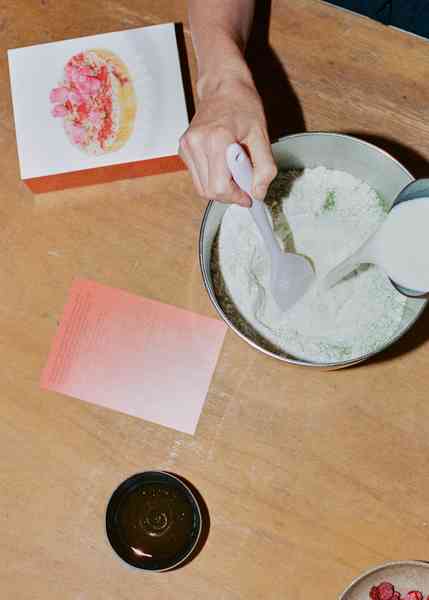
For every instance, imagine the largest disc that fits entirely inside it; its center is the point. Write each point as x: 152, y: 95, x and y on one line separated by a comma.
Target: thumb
x: 264, y: 167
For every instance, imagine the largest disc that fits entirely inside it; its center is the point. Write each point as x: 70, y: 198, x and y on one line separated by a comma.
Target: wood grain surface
x: 309, y: 477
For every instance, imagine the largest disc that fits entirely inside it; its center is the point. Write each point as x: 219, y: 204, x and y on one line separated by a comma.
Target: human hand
x: 230, y: 113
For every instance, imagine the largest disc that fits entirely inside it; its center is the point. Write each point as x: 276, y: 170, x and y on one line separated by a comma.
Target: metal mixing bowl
x: 333, y: 151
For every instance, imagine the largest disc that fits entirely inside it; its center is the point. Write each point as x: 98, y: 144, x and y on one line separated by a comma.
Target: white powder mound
x: 327, y: 215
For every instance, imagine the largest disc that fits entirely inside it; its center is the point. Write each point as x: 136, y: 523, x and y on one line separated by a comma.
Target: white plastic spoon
x: 290, y: 274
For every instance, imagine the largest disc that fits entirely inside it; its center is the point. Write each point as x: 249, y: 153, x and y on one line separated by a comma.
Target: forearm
x: 220, y: 30
x: 230, y: 109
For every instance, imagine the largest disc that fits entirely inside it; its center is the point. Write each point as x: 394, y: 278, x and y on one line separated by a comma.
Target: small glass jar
x: 154, y: 521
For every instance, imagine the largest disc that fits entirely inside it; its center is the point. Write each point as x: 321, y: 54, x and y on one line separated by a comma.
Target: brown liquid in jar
x: 154, y: 523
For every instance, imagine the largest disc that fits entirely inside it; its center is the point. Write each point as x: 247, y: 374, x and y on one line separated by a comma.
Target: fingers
x: 185, y: 155
x: 205, y: 156
x: 220, y: 182
x: 191, y: 152
x: 203, y: 148
x: 264, y: 166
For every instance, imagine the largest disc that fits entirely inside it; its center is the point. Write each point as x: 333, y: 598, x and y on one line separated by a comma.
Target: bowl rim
x: 286, y: 359
x: 372, y: 570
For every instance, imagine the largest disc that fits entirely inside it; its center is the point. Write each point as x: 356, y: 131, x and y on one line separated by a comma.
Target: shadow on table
x: 415, y: 162
x: 282, y: 107
x: 186, y: 73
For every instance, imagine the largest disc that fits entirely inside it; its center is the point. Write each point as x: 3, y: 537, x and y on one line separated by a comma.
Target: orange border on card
x: 141, y: 168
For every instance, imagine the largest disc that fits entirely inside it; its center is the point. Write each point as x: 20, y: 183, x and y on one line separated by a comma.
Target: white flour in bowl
x: 325, y: 215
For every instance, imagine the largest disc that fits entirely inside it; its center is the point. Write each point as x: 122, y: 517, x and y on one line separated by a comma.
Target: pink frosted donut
x: 97, y: 102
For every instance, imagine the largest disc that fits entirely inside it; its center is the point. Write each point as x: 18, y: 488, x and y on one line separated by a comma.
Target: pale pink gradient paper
x: 134, y: 355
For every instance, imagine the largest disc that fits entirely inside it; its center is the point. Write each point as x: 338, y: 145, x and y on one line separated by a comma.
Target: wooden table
x: 309, y: 477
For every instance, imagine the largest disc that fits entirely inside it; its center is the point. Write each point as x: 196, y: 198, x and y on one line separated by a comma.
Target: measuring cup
x: 367, y: 253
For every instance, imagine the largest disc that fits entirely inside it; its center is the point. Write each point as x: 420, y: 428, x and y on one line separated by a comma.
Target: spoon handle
x: 242, y: 173
x: 367, y: 253
x: 342, y: 270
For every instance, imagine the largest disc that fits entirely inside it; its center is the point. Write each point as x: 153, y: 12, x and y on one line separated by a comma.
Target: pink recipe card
x: 134, y: 355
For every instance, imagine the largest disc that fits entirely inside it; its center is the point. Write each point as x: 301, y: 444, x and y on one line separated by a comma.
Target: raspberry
x: 386, y: 591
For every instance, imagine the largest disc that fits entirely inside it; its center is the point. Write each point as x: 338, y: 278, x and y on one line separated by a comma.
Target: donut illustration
x: 96, y: 101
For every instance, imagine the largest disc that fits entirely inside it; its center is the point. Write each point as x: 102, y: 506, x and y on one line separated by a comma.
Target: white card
x: 151, y: 57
